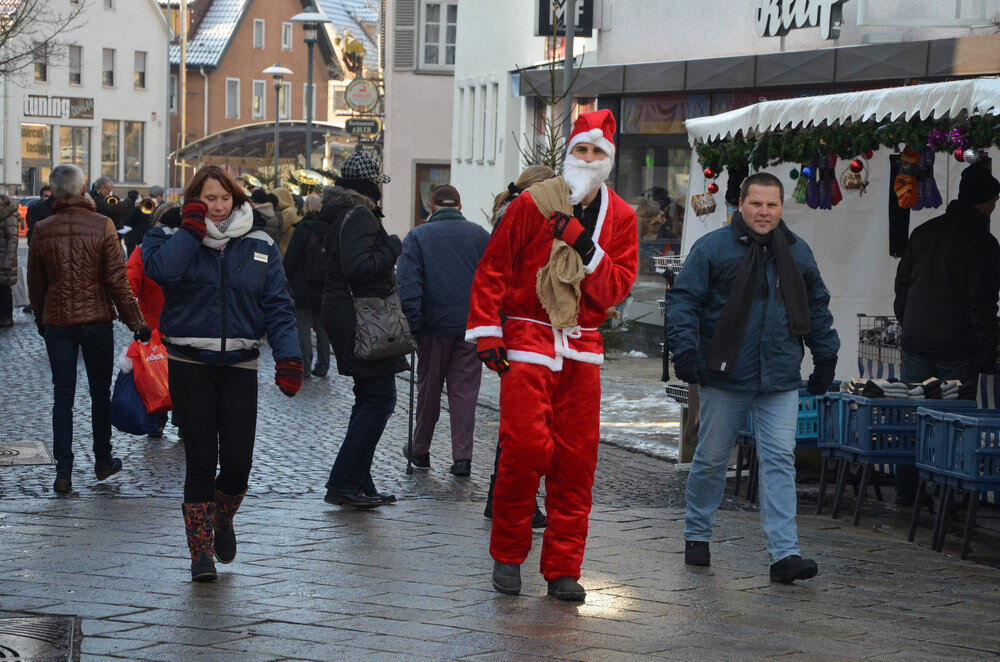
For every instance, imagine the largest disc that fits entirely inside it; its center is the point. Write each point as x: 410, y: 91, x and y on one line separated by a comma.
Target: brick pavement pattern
x: 411, y: 581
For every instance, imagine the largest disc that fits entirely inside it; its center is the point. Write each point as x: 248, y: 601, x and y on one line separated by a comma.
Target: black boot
x: 538, y: 519
x: 507, y: 578
x: 567, y: 588
x: 696, y: 553
x: 224, y: 544
x: 790, y: 568
x: 198, y: 525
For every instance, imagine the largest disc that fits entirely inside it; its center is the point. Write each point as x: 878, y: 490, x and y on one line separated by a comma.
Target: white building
x: 97, y: 98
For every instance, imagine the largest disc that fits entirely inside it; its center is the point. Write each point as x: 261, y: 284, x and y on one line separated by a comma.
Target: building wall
x: 135, y: 26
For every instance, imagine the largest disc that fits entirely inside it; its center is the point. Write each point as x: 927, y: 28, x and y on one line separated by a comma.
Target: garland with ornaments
x: 817, y: 150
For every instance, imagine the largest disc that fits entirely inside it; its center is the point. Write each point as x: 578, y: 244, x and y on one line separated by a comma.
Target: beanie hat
x: 155, y: 191
x: 978, y: 185
x: 597, y: 128
x: 169, y: 214
x: 132, y: 195
x: 259, y: 196
x: 446, y: 196
x: 362, y: 165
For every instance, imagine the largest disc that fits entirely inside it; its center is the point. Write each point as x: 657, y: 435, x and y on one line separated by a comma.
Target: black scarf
x: 728, y: 337
x: 367, y: 188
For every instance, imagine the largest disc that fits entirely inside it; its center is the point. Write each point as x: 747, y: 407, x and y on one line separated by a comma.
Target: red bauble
x: 857, y: 166
x: 959, y: 155
x: 713, y: 188
x: 710, y: 174
x: 869, y: 154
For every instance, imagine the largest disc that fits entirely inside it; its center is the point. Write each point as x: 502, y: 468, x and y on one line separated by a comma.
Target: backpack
x: 315, y: 258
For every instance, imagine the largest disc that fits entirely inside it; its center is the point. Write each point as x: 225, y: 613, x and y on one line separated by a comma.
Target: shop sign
x: 361, y: 126
x: 776, y: 18
x: 361, y: 95
x: 36, y: 141
x: 583, y: 26
x: 67, y: 108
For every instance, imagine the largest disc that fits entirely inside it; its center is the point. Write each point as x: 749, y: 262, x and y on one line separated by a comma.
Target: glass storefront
x: 74, y: 146
x: 133, y: 151
x: 109, y: 148
x: 36, y: 156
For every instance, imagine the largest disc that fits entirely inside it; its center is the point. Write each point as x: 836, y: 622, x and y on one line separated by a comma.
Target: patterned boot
x: 225, y: 537
x: 198, y: 524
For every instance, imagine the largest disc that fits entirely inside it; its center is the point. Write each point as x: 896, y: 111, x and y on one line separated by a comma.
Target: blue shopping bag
x: 128, y: 414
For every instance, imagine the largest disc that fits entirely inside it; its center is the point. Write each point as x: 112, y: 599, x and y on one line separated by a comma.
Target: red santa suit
x: 550, y: 398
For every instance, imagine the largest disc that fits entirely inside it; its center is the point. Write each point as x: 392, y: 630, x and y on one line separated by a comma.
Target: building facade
x: 96, y: 98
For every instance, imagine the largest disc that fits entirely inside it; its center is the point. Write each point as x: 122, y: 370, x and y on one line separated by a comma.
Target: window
x: 109, y: 148
x: 109, y: 4
x: 429, y: 177
x: 133, y: 151
x: 259, y: 103
x: 74, y: 146
x: 41, y: 56
x: 285, y: 101
x: 232, y: 98
x: 470, y: 120
x: 108, y: 68
x: 305, y: 90
x: 439, y: 30
x: 481, y: 118
x: 75, y: 65
x: 139, y: 75
x: 491, y: 153
x: 339, y: 101
x: 258, y: 33
x: 286, y: 36
x: 172, y: 94
x: 460, y: 125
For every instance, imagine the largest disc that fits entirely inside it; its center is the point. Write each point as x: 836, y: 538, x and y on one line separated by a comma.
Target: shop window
x: 232, y: 98
x: 108, y: 67
x: 41, y: 58
x: 36, y: 155
x: 173, y: 94
x: 659, y: 115
x: 258, y: 33
x: 74, y: 147
x: 109, y: 148
x: 305, y: 89
x: 285, y: 100
x: 440, y: 25
x: 133, y: 151
x: 75, y: 65
x: 286, y: 36
x: 259, y: 109
x: 139, y: 74
x: 429, y: 177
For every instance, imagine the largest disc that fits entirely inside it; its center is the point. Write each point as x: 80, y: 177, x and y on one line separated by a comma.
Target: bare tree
x: 31, y: 27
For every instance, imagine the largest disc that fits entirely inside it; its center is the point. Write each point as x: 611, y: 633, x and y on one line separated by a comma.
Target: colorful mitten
x: 905, y: 184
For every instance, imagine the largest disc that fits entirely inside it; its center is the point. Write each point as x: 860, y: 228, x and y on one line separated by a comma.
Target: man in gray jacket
x: 435, y: 275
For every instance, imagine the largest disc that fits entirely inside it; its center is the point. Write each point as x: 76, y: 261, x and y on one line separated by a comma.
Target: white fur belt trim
x: 560, y: 338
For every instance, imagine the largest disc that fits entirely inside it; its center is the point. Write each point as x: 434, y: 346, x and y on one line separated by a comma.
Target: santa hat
x: 596, y: 128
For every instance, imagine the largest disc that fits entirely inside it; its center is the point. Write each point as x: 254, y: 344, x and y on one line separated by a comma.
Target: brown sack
x: 558, y: 282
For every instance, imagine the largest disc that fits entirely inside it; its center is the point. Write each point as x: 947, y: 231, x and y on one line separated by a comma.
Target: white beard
x: 584, y: 178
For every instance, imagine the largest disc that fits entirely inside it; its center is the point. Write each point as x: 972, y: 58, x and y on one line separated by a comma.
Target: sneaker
x: 790, y: 568
x: 62, y: 486
x: 696, y: 553
x: 418, y: 461
x: 507, y: 578
x: 107, y: 468
x: 460, y: 468
x: 567, y: 588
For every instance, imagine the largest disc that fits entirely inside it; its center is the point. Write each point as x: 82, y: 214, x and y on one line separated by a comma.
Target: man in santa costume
x: 564, y: 252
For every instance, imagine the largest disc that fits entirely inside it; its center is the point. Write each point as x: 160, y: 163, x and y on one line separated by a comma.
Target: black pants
x: 219, y: 408
x: 374, y: 400
x: 6, y: 304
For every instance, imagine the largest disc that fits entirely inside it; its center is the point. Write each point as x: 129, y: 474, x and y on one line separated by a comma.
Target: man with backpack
x: 305, y: 268
x: 435, y: 284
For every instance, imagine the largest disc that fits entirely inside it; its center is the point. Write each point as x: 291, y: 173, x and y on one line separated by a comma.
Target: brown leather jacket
x: 76, y: 269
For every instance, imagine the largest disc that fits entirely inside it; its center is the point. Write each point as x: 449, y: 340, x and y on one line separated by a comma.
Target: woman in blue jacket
x: 224, y: 289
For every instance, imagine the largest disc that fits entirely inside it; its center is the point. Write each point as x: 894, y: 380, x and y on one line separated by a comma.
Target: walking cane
x: 409, y: 433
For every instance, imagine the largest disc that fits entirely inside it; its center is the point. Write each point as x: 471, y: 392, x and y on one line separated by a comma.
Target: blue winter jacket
x: 435, y: 272
x: 770, y: 357
x: 220, y: 304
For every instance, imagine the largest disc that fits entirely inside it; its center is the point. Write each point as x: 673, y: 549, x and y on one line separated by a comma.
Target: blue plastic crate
x: 830, y: 411
x: 884, y: 430
x: 806, y: 425
x: 960, y: 449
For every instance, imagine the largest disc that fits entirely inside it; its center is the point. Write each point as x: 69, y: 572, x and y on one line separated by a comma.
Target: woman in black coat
x: 306, y: 284
x: 361, y: 258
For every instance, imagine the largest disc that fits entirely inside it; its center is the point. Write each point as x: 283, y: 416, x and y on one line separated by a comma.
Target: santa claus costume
x: 550, y: 396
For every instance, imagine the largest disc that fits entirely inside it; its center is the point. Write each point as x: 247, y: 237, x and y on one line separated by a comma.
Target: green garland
x: 848, y: 141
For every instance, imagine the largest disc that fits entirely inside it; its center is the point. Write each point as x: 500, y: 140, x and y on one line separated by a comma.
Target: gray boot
x: 507, y: 578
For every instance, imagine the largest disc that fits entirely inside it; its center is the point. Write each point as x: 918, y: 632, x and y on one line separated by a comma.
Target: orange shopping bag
x: 149, y: 363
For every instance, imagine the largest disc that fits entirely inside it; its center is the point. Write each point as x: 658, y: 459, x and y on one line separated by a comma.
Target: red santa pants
x: 549, y: 425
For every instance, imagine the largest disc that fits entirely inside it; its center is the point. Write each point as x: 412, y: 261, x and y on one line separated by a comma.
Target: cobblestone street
x: 411, y: 580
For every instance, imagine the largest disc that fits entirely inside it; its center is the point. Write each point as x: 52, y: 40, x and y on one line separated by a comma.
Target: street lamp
x: 278, y: 72
x: 310, y: 20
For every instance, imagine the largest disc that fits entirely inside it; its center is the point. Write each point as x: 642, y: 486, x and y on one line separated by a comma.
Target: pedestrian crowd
x: 212, y: 277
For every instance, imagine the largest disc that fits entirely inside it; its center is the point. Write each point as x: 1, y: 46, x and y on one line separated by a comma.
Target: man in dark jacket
x: 39, y: 209
x: 739, y: 334
x: 305, y: 268
x: 141, y: 221
x: 435, y: 275
x: 99, y: 192
x: 946, y: 295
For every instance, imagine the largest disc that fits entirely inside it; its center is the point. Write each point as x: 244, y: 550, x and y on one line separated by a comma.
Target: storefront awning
x: 254, y: 140
x: 936, y: 100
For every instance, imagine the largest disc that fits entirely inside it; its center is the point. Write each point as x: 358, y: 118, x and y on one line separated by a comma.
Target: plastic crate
x: 830, y: 410
x: 806, y: 424
x: 962, y: 448
x: 880, y: 430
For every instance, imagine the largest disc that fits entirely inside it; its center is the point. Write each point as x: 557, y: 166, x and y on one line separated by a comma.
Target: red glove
x: 193, y: 218
x: 565, y: 227
x: 288, y: 376
x: 493, y: 353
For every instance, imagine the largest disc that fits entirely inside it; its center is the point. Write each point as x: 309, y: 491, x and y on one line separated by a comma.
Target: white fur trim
x: 584, y: 357
x: 553, y: 364
x: 591, y: 266
x: 586, y: 137
x: 483, y: 332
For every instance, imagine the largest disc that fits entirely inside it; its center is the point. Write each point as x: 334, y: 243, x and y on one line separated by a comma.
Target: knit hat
x: 155, y: 191
x: 978, y: 185
x: 597, y: 128
x: 362, y: 165
x: 445, y: 196
x: 169, y: 214
x: 259, y: 196
x: 132, y: 195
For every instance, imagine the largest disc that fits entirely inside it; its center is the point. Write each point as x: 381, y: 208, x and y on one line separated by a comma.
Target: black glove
x: 822, y: 376
x: 393, y: 243
x: 686, y: 368
x: 143, y: 334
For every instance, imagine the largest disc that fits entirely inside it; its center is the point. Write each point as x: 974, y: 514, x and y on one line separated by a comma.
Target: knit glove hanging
x: 835, y: 195
x: 928, y: 195
x: 813, y: 188
x: 905, y: 184
x: 799, y: 194
x: 288, y: 376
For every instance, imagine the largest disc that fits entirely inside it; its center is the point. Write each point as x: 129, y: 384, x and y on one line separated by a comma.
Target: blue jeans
x: 64, y: 344
x: 723, y: 414
x: 374, y: 400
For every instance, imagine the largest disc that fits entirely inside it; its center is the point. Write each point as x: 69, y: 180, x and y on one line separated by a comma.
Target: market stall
x: 835, y: 155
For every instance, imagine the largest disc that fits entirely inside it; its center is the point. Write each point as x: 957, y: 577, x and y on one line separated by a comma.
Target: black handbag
x: 380, y: 327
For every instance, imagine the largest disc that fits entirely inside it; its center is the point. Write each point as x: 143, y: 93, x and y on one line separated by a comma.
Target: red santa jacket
x: 505, y: 280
